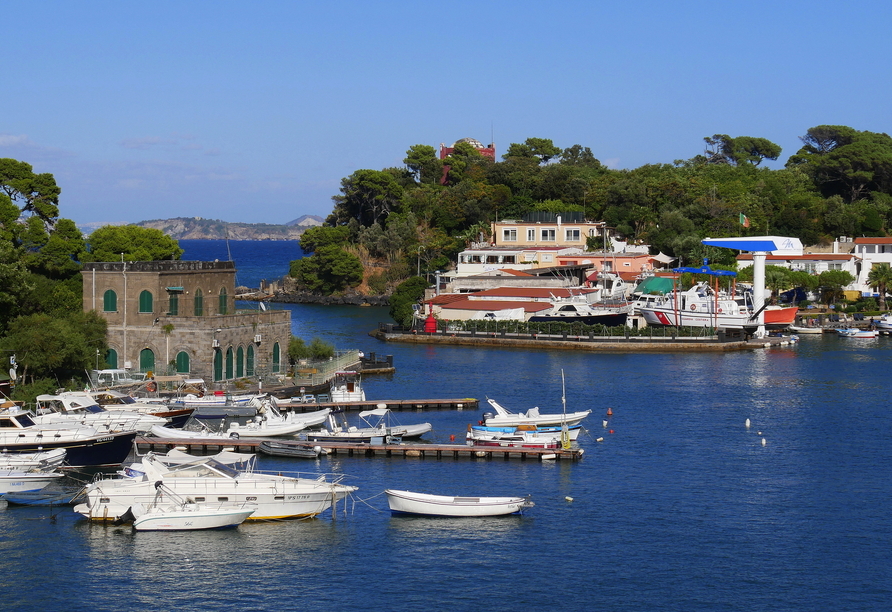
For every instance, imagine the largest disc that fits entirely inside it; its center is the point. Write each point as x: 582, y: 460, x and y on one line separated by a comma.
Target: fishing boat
x: 408, y: 502
x: 205, y: 480
x: 521, y: 433
x: 378, y: 424
x: 171, y: 512
x: 296, y: 450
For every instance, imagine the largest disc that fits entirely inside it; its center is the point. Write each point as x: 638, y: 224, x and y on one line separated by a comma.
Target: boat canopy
x: 380, y: 412
x: 704, y: 269
x: 656, y: 285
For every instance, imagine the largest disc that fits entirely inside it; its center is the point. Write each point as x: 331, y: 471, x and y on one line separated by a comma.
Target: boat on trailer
x: 424, y: 504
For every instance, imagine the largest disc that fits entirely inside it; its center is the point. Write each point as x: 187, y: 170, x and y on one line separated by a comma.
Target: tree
x: 404, y: 296
x: 722, y: 149
x: 136, y: 243
x: 542, y: 149
x: 880, y: 278
x: 328, y: 270
x: 422, y: 162
x: 578, y: 155
x: 367, y: 196
x: 834, y: 281
x: 33, y: 194
x: 845, y: 162
x: 321, y: 235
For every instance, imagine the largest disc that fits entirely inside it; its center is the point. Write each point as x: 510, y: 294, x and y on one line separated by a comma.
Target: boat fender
x: 469, y: 427
x: 720, y: 310
x: 693, y: 307
x: 151, y: 387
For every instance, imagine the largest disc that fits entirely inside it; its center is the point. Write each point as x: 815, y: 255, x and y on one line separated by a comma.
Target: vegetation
x: 316, y: 350
x: 415, y: 219
x: 42, y: 322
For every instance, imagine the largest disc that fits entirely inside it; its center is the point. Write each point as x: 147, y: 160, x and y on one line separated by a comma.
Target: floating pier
x: 352, y: 449
x: 464, y: 403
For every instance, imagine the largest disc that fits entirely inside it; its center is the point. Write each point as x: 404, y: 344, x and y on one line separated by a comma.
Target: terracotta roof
x: 493, y: 305
x: 883, y: 240
x: 514, y: 272
x: 446, y: 298
x: 529, y: 292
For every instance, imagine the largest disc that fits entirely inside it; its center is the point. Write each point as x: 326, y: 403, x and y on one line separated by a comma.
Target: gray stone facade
x: 179, y: 317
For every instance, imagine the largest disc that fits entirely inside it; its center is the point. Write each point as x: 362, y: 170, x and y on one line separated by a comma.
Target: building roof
x: 882, y: 240
x: 526, y: 292
x: 493, y: 305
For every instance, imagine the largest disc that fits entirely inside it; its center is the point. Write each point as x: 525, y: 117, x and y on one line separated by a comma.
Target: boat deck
x: 351, y: 449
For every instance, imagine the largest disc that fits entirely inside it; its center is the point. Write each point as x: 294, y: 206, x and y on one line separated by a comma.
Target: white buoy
x: 599, y: 439
x: 747, y: 423
x: 763, y: 442
x: 605, y: 423
x: 568, y: 498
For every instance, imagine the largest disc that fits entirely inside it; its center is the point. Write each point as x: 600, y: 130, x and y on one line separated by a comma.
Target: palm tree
x: 880, y: 277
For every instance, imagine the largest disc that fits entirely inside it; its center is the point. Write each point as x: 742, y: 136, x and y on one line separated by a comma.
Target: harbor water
x: 676, y: 504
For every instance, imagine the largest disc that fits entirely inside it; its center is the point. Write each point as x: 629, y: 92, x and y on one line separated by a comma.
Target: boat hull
x: 421, y: 504
x: 18, y: 481
x: 191, y: 520
x: 285, y: 449
x: 106, y: 449
x: 613, y: 319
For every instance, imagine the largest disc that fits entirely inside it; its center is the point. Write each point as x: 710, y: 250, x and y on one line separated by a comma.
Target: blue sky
x: 253, y: 112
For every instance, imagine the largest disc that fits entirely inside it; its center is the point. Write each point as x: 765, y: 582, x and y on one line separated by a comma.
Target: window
x: 146, y: 360
x: 276, y: 357
x: 173, y: 304
x: 240, y: 362
x: 199, y: 304
x: 229, y: 362
x: 249, y: 362
x: 145, y: 301
x: 547, y: 257
x: 110, y: 301
x: 182, y: 362
x: 571, y: 235
x: 223, y: 302
x: 509, y: 235
x: 531, y: 235
x: 218, y: 364
x: 548, y: 235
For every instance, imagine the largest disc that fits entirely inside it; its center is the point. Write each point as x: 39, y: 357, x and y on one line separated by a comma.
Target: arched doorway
x: 146, y: 360
x: 218, y: 364
x: 182, y: 362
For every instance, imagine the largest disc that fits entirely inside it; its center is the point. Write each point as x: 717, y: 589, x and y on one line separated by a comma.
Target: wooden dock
x: 351, y: 449
x: 465, y: 403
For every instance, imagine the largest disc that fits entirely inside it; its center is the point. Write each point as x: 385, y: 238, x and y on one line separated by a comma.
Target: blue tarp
x: 705, y: 270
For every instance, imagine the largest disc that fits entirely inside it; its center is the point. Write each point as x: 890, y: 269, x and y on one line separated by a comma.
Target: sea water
x: 679, y: 506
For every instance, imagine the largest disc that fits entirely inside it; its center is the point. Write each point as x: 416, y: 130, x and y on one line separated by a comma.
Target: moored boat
x: 854, y: 332
x: 505, y: 418
x: 22, y: 481
x: 378, y: 424
x: 170, y: 512
x: 296, y: 450
x: 409, y: 502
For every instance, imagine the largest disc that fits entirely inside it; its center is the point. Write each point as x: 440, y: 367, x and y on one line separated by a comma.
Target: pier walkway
x: 351, y: 449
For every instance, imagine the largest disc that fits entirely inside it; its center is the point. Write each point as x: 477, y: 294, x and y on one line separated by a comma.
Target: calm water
x: 679, y: 508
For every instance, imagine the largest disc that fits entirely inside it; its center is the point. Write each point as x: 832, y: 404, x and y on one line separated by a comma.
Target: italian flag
x: 744, y: 221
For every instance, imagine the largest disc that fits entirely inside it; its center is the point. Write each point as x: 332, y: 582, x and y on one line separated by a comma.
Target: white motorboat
x: 170, y: 512
x: 206, y: 481
x: 30, y: 461
x: 84, y: 446
x: 378, y: 424
x: 805, y: 329
x: 408, y: 502
x: 703, y: 306
x: 884, y: 322
x: 263, y: 426
x: 586, y: 308
x: 347, y: 387
x: 110, y: 399
x: 77, y: 407
x: 854, y: 332
x: 505, y: 418
x: 20, y: 481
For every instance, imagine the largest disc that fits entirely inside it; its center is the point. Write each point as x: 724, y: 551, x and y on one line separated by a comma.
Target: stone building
x: 179, y: 317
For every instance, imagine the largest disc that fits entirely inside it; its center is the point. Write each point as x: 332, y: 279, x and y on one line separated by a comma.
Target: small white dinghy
x: 408, y: 502
x: 170, y: 512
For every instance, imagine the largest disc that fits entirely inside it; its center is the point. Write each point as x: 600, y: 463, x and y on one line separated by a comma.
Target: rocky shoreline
x: 307, y: 297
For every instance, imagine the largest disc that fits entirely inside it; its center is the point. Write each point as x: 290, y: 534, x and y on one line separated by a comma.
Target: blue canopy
x: 705, y: 270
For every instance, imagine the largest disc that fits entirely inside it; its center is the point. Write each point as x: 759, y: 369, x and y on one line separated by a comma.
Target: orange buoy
x: 611, y: 431
x: 609, y: 411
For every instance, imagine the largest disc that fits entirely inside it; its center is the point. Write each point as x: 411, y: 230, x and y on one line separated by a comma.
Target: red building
x: 489, y: 151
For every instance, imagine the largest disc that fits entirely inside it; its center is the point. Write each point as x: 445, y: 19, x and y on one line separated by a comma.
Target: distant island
x: 198, y: 228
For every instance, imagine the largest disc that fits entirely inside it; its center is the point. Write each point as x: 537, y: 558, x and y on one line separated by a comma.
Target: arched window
x: 111, y: 358
x: 145, y: 301
x: 276, y: 357
x: 199, y: 303
x: 218, y: 365
x: 223, y: 309
x: 249, y: 364
x: 240, y: 362
x: 146, y: 360
x: 110, y: 301
x: 229, y: 362
x: 182, y: 362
